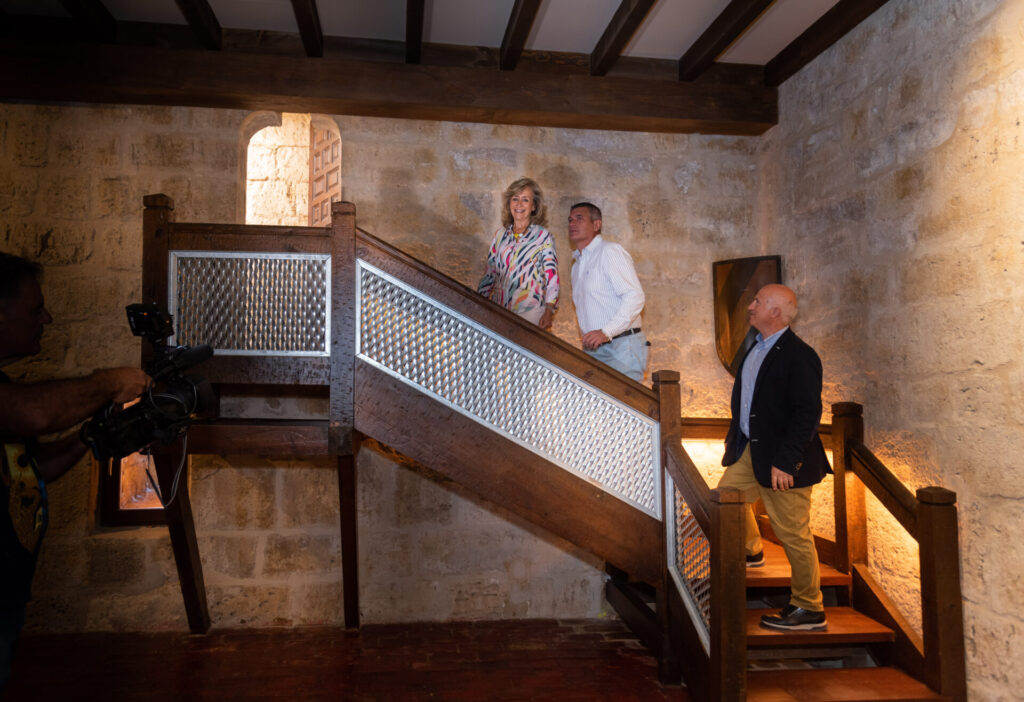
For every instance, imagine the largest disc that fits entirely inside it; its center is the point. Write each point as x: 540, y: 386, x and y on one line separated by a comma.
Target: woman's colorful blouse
x: 522, y: 272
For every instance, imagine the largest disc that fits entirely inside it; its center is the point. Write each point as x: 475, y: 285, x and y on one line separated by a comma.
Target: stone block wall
x: 895, y: 179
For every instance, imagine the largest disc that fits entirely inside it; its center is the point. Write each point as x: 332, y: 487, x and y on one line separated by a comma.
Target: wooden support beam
x: 724, y: 30
x: 308, y: 19
x: 617, y: 34
x: 833, y: 26
x: 143, y: 75
x: 518, y: 29
x: 414, y: 13
x: 203, y: 21
x: 349, y: 533
x: 93, y: 19
x: 182, y: 529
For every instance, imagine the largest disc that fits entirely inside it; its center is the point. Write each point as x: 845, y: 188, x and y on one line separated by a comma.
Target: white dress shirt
x: 605, y: 289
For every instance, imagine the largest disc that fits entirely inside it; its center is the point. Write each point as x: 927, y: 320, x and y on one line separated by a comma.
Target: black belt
x: 628, y: 332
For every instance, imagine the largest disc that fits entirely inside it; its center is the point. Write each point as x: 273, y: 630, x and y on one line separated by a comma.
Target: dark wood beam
x: 832, y: 27
x: 308, y: 19
x: 617, y: 34
x: 516, y: 32
x: 414, y: 12
x: 732, y: 22
x: 203, y: 21
x: 95, y: 21
x: 156, y: 76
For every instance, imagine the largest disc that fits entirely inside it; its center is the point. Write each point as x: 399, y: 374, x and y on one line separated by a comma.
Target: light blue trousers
x: 627, y: 354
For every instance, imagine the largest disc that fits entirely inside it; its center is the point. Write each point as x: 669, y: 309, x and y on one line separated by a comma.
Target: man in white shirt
x: 607, y: 295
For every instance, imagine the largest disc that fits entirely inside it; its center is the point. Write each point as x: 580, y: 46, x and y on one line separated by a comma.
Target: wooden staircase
x: 675, y: 563
x: 820, y: 666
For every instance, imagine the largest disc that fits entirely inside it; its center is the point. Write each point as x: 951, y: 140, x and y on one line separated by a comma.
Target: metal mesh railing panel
x: 689, y: 557
x: 504, y: 387
x: 261, y: 304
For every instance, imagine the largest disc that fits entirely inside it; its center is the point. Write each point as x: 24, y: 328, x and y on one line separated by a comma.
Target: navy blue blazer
x: 784, y: 415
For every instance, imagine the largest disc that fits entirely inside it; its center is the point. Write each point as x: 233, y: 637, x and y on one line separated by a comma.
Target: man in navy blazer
x: 773, y: 451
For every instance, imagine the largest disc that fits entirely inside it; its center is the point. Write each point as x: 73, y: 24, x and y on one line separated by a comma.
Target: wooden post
x: 342, y: 439
x: 728, y: 651
x: 666, y: 386
x: 158, y: 214
x: 848, y: 490
x: 349, y: 533
x: 182, y: 530
x: 343, y: 328
x: 942, y: 619
x: 157, y: 217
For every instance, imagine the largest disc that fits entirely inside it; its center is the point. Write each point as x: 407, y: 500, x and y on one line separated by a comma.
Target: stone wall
x: 895, y: 180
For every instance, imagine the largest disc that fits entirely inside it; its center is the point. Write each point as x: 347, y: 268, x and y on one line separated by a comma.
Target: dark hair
x: 14, y: 271
x: 594, y: 210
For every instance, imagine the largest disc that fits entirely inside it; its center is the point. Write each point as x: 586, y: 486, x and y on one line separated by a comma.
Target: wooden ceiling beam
x: 308, y: 19
x: 32, y: 70
x: 93, y: 17
x: 617, y: 34
x: 414, y: 15
x: 203, y: 21
x: 830, y: 28
x: 518, y: 29
x: 722, y: 32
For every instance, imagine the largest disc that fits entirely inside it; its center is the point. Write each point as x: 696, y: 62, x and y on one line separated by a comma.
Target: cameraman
x: 29, y: 410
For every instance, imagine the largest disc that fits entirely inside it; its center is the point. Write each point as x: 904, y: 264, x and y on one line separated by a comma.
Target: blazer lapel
x: 773, y: 354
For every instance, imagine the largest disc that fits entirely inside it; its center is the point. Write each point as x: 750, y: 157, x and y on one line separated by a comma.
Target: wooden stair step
x: 845, y: 626
x: 776, y: 572
x: 837, y: 685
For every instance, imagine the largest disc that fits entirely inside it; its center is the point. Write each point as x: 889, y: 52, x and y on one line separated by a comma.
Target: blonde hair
x: 538, y: 215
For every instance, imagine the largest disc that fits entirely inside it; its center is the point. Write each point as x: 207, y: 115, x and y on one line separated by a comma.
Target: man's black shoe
x: 756, y: 561
x: 792, y: 618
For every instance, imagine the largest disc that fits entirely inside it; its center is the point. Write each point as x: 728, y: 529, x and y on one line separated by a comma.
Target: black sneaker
x: 756, y: 561
x: 792, y: 618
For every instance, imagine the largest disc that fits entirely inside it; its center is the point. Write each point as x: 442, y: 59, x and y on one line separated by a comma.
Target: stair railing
x: 930, y: 517
x: 705, y: 575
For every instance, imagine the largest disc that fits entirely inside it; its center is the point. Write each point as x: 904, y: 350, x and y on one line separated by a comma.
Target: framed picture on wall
x: 735, y: 284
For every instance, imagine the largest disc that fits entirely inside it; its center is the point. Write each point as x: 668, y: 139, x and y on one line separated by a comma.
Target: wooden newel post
x: 851, y: 513
x: 342, y: 438
x: 728, y: 596
x: 942, y: 619
x: 157, y: 218
x: 666, y: 386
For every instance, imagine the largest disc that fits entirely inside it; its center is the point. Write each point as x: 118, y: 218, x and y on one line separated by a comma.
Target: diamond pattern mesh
x: 508, y: 389
x: 273, y: 304
x: 690, y: 557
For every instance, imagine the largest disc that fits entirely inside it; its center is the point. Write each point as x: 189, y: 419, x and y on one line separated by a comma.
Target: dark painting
x: 736, y: 282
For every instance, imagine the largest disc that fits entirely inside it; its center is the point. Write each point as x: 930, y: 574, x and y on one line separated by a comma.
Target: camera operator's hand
x: 123, y: 384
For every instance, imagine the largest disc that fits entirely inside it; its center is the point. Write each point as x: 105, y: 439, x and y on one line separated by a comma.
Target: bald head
x: 774, y: 307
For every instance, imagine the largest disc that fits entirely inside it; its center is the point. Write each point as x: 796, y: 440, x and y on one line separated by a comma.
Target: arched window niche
x: 292, y: 165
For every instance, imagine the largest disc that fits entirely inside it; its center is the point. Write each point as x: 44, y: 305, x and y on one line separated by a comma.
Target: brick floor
x: 537, y: 660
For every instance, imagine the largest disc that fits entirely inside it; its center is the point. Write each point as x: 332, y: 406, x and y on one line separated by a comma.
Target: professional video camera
x: 166, y: 410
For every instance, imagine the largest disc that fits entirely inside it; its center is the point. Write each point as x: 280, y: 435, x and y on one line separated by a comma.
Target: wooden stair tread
x: 776, y: 572
x: 845, y: 626
x: 835, y: 685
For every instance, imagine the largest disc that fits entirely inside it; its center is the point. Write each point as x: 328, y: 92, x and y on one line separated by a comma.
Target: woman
x: 522, y: 268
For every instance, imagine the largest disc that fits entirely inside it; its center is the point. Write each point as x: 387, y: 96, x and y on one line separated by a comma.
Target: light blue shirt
x: 751, y: 367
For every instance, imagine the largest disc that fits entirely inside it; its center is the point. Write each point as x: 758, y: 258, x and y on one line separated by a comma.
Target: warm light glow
x: 136, y: 492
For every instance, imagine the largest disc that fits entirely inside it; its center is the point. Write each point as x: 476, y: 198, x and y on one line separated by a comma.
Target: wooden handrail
x: 689, y: 481
x: 885, y: 486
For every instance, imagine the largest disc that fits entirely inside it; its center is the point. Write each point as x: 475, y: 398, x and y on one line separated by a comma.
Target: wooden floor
x: 517, y: 660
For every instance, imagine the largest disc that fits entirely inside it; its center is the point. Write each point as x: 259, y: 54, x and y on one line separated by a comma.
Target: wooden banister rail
x: 689, y: 481
x: 930, y: 517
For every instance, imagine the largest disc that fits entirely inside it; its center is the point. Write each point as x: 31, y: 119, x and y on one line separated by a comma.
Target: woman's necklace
x: 515, y: 234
